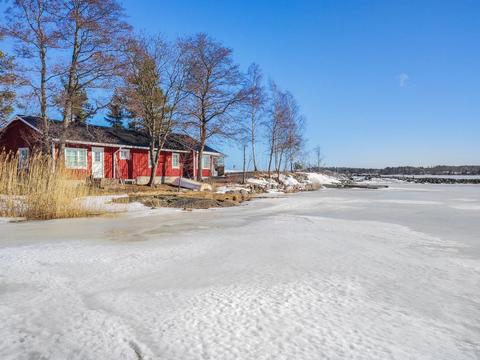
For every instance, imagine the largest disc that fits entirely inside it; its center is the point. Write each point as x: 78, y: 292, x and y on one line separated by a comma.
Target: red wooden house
x: 111, y: 153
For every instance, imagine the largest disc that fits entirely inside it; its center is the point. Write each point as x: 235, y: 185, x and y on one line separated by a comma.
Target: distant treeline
x: 412, y: 170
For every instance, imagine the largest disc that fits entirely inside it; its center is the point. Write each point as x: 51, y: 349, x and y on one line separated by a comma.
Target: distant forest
x: 412, y: 170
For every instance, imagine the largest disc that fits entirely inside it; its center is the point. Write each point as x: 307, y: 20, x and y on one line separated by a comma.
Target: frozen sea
x: 331, y: 274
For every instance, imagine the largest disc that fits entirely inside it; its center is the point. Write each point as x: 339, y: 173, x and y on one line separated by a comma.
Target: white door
x: 97, y: 163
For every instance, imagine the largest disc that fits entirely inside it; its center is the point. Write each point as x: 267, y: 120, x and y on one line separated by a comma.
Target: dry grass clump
x: 40, y: 189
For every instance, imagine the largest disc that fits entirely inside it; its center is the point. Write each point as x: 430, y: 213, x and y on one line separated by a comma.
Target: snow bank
x: 300, y: 181
x: 231, y: 188
x: 322, y: 179
x: 259, y: 182
x: 105, y: 203
x: 288, y: 181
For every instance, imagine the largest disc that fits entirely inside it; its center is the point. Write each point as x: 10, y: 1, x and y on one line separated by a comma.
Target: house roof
x: 80, y: 132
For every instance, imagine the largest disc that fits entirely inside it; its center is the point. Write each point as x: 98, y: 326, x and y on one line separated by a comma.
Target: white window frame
x: 23, y: 162
x: 124, y: 154
x: 209, y: 163
x: 78, y: 152
x: 177, y: 156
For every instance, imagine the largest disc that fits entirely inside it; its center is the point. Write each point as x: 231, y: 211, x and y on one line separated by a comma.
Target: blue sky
x: 380, y: 82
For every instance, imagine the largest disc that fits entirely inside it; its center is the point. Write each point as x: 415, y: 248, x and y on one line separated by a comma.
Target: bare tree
x: 290, y: 138
x: 93, y: 35
x: 295, y: 144
x: 31, y: 24
x: 284, y: 129
x: 274, y: 122
x: 318, y: 154
x: 255, y: 106
x: 154, y: 91
x: 216, y: 90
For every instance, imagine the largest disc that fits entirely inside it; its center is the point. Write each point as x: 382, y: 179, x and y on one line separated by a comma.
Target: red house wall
x: 139, y: 158
x: 107, y: 160
x: 18, y: 134
x: 124, y: 169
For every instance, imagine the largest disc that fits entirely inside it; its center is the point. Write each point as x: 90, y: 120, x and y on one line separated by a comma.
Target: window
x: 124, y: 154
x: 206, y: 161
x: 76, y: 158
x: 175, y: 160
x: 23, y: 157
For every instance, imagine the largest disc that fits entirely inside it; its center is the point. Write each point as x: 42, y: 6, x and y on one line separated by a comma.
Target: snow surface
x: 336, y: 274
x: 105, y: 203
x: 288, y: 181
x: 231, y: 188
x: 322, y: 179
x: 263, y: 183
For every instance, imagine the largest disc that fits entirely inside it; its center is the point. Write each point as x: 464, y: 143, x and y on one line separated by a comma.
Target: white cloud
x: 403, y: 79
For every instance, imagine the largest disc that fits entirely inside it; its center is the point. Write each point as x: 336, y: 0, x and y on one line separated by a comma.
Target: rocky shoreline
x: 436, y: 180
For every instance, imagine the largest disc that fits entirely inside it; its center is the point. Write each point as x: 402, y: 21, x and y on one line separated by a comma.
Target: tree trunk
x: 153, y: 175
x: 279, y: 163
x: 69, y: 91
x: 203, y: 139
x: 254, y: 157
x: 244, y: 178
x: 154, y: 160
x: 43, y: 102
x: 270, y: 161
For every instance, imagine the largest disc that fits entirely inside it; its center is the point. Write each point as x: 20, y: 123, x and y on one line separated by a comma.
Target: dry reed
x: 40, y: 189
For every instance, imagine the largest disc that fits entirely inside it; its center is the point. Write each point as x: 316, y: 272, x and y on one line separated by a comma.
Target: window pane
x: 75, y: 158
x: 206, y: 161
x: 82, y: 158
x: 124, y: 154
x: 70, y: 158
x: 23, y: 154
x: 175, y: 160
x: 22, y: 157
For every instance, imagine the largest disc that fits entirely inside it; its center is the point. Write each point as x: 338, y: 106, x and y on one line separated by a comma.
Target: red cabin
x: 111, y: 153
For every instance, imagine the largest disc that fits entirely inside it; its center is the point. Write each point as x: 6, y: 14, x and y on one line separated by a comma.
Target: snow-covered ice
x: 332, y: 274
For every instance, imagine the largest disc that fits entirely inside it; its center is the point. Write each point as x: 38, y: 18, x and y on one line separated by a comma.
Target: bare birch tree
x: 31, y: 24
x: 154, y: 91
x: 274, y: 122
x: 216, y: 90
x: 93, y: 35
x: 284, y: 129
x: 318, y: 154
x: 255, y: 107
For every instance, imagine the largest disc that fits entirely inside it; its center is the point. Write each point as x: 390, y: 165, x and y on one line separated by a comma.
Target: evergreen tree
x: 117, y: 113
x: 82, y: 110
x: 7, y: 78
